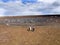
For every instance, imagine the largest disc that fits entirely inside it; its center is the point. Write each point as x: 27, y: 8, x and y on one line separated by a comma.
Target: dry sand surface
x: 18, y: 35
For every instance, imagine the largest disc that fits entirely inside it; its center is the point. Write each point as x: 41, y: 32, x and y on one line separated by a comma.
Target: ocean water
x: 29, y: 7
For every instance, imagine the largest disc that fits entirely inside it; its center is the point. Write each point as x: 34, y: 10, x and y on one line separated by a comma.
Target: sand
x: 18, y: 35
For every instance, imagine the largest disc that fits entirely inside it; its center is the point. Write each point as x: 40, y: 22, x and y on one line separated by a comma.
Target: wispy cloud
x: 38, y: 8
x: 47, y: 1
x: 2, y: 11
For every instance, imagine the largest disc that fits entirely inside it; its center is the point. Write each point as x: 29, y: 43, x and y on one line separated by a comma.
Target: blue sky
x: 29, y: 7
x: 21, y: 0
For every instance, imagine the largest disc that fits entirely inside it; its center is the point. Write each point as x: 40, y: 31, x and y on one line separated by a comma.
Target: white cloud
x: 2, y: 11
x: 48, y: 1
x: 16, y: 8
x: 56, y: 10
